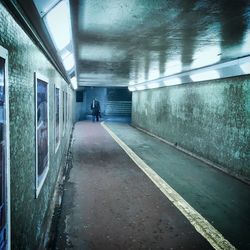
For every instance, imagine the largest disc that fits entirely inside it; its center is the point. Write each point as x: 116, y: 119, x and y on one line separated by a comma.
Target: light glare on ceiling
x: 173, y: 67
x: 207, y: 56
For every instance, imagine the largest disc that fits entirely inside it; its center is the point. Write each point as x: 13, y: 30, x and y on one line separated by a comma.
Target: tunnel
x: 124, y: 124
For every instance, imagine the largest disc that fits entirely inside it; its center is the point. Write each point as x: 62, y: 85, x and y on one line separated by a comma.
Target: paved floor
x: 109, y: 203
x: 221, y: 199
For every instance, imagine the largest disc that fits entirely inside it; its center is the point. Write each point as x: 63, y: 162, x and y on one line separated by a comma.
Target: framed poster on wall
x: 42, y: 130
x: 57, y: 122
x: 4, y: 153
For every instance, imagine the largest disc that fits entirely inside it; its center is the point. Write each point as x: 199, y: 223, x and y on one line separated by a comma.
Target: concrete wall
x: 210, y: 119
x: 27, y: 212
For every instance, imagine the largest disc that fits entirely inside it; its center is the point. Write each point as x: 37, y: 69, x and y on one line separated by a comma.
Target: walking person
x: 95, y: 107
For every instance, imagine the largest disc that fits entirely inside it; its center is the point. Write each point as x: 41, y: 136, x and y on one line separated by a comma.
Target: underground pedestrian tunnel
x: 124, y: 124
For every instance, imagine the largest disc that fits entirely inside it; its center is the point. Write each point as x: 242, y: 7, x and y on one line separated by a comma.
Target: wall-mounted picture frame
x: 5, y: 226
x: 42, y: 129
x: 57, y: 118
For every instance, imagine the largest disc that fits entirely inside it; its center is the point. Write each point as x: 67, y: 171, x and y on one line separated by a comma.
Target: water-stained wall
x: 210, y: 119
x: 28, y: 213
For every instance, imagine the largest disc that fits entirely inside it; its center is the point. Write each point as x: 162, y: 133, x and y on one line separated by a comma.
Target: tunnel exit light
x: 207, y: 75
x: 58, y: 23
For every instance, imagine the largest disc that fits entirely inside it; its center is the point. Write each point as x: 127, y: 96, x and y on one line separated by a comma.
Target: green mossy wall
x: 210, y: 119
x: 27, y: 212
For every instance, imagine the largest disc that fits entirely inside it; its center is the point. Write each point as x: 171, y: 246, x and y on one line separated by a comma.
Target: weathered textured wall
x: 28, y: 212
x: 211, y: 119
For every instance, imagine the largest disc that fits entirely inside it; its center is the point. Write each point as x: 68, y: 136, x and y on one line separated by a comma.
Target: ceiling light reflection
x: 207, y: 56
x: 173, y: 67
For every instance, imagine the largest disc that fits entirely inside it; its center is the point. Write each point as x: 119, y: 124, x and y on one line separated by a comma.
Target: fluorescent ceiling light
x: 140, y: 87
x: 207, y: 75
x: 131, y: 88
x: 95, y: 76
x: 245, y: 67
x: 131, y: 83
x: 74, y: 82
x: 173, y: 81
x: 153, y: 85
x: 69, y: 62
x: 58, y: 24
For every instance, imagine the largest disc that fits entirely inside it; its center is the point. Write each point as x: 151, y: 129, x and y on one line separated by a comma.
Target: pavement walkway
x: 110, y: 203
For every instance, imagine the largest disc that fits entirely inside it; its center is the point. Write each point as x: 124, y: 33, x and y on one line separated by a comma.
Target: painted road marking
x: 202, y: 226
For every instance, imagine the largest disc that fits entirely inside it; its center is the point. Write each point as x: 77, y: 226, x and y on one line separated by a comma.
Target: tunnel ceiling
x: 120, y: 42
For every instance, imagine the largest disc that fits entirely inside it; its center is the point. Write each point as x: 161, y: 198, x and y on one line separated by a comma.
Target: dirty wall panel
x: 211, y: 119
x: 27, y: 212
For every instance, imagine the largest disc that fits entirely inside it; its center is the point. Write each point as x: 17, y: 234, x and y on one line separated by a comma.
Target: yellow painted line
x: 202, y: 226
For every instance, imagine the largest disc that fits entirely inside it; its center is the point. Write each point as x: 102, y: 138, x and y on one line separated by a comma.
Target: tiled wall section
x: 28, y: 213
x: 211, y: 119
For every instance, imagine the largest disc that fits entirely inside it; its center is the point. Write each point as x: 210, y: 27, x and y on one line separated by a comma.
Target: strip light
x: 74, y: 82
x: 173, y: 81
x: 58, y: 23
x: 153, y: 85
x: 232, y: 68
x: 131, y: 88
x: 207, y: 75
x: 140, y: 87
x: 245, y: 67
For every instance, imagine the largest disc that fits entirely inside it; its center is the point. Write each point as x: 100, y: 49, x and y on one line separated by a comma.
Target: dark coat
x: 95, y: 107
